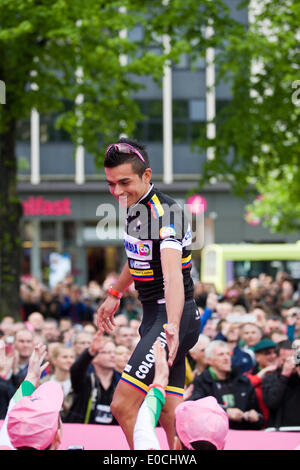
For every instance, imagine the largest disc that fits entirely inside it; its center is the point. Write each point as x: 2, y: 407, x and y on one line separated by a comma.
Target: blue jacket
x: 207, y: 313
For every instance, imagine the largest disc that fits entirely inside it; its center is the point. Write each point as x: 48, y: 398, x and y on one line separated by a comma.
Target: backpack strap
x: 92, y: 398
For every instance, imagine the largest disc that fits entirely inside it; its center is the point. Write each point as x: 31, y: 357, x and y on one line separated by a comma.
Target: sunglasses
x: 124, y: 148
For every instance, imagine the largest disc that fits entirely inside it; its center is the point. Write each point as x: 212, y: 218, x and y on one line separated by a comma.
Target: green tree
x: 44, y: 42
x: 257, y: 148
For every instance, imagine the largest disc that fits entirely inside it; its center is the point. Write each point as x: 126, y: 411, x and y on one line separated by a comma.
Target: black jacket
x: 244, y: 395
x: 282, y: 396
x: 85, y: 385
x: 6, y: 393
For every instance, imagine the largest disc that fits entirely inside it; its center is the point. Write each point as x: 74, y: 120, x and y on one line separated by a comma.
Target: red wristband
x: 114, y: 293
x: 160, y: 387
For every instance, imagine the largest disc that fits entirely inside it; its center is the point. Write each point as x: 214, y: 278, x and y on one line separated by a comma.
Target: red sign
x: 40, y: 206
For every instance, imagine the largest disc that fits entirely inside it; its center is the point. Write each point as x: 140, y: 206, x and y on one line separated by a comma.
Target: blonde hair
x: 57, y: 350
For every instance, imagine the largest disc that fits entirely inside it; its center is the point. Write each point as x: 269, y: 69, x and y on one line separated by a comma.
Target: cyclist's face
x: 125, y: 185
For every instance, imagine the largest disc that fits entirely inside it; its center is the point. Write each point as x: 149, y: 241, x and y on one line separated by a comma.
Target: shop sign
x: 34, y: 206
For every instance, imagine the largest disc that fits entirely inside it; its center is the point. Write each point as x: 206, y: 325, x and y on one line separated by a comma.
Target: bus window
x: 211, y: 264
x: 221, y: 264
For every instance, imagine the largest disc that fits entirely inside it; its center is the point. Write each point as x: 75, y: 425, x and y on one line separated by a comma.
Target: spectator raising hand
x: 36, y: 364
x: 98, y: 342
x: 8, y: 361
x: 93, y: 390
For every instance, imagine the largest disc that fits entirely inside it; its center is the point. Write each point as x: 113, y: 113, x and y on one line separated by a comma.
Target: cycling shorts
x: 139, y: 372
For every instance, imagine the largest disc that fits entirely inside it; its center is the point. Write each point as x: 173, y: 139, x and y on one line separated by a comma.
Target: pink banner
x: 98, y: 437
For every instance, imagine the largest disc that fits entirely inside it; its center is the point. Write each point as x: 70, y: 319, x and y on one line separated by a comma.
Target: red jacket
x: 256, y: 382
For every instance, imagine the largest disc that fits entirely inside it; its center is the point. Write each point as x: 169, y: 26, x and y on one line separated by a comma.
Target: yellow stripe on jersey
x: 186, y: 260
x: 145, y: 272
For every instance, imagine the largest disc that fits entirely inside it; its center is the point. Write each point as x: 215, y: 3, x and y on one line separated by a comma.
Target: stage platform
x: 99, y: 437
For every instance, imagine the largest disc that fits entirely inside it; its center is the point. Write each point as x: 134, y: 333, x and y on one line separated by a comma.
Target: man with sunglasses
x: 157, y: 242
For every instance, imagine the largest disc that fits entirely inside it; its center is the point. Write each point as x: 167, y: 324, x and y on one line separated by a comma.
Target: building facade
x: 63, y: 193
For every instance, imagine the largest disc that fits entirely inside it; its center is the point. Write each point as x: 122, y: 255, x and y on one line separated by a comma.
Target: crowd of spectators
x: 246, y: 354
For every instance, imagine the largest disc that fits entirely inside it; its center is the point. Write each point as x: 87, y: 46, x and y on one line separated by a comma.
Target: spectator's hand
x: 105, y: 313
x: 98, y: 342
x: 260, y: 319
x: 267, y: 370
x: 161, y: 375
x: 288, y: 366
x: 235, y: 414
x: 188, y: 392
x: 35, y: 365
x: 172, y: 337
x: 251, y: 416
x: 6, y: 360
x: 15, y: 361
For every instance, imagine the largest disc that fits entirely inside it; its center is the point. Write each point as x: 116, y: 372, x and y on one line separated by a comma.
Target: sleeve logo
x: 167, y: 231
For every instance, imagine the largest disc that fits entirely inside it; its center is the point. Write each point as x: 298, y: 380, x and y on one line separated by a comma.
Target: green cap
x: 264, y: 344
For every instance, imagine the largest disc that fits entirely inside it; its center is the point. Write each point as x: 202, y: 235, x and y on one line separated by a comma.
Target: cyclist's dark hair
x: 115, y: 158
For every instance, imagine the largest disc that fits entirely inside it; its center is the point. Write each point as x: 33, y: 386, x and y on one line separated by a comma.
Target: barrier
x: 99, y: 437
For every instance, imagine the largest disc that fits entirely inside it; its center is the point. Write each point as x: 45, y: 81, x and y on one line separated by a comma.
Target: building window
x: 48, y: 130
x: 69, y: 234
x: 48, y: 231
x: 185, y: 62
x: 150, y: 128
x: 188, y: 120
x: 221, y: 111
x: 23, y: 130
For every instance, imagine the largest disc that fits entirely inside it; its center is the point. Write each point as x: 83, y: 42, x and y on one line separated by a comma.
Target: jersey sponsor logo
x: 127, y: 368
x: 142, y: 275
x: 167, y: 231
x: 139, y: 264
x: 141, y: 249
x: 137, y: 249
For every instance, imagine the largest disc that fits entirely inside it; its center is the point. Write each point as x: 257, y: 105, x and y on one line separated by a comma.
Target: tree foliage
x: 257, y: 148
x: 54, y: 51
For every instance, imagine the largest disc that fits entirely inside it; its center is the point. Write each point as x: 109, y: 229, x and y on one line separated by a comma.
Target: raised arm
x: 144, y: 436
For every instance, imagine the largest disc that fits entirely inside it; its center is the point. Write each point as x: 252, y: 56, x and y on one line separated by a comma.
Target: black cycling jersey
x: 156, y: 221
